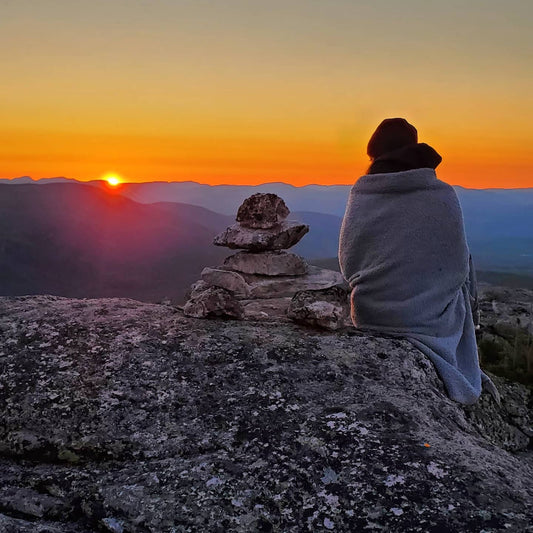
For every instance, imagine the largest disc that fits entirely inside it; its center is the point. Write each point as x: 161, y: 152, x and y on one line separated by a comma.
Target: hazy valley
x: 150, y: 241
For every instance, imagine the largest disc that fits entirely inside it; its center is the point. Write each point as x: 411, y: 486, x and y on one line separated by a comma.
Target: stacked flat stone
x: 260, y: 280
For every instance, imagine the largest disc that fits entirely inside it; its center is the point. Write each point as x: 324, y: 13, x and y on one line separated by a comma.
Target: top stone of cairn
x: 262, y: 210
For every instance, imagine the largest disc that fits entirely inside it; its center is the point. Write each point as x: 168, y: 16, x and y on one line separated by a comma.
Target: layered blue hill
x: 150, y: 241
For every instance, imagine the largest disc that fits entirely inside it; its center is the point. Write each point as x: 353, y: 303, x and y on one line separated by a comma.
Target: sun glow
x: 112, y: 179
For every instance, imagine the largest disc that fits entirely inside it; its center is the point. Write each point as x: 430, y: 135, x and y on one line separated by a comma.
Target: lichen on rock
x: 178, y: 424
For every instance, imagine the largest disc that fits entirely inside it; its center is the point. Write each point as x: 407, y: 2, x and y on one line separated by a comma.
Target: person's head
x: 394, y: 147
x: 391, y: 134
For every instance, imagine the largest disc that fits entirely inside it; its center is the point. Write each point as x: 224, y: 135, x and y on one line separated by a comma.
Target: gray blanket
x: 404, y: 252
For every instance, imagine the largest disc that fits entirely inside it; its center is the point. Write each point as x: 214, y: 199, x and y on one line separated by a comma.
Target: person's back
x: 407, y: 264
x: 404, y: 252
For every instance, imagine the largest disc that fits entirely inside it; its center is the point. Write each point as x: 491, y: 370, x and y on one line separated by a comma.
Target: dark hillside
x: 77, y: 240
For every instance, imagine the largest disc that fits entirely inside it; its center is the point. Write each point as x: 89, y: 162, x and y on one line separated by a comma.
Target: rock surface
x: 326, y: 308
x: 264, y: 271
x: 502, y: 307
x: 505, y: 337
x: 267, y: 263
x: 124, y: 416
x: 231, y: 281
x: 280, y: 286
x: 266, y: 308
x: 213, y: 302
x: 262, y: 210
x: 281, y: 237
x: 196, y: 289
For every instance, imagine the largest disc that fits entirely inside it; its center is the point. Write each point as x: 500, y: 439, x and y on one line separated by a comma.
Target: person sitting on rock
x: 404, y: 253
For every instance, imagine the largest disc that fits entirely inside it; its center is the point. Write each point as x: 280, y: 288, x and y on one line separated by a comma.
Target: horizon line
x: 240, y: 184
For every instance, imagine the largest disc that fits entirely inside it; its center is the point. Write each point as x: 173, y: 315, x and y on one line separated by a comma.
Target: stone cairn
x: 261, y: 280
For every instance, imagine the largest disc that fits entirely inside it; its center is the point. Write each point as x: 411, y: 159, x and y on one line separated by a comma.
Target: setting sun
x: 112, y: 179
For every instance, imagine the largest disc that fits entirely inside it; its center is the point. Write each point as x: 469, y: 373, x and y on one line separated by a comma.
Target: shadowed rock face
x: 123, y: 416
x: 231, y: 281
x: 501, y: 307
x: 505, y: 338
x: 214, y: 302
x: 324, y: 308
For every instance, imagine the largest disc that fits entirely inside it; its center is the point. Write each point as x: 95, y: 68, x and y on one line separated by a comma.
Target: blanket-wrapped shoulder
x: 403, y: 249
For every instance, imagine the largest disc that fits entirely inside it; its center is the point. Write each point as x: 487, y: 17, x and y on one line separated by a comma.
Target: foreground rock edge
x: 97, y: 390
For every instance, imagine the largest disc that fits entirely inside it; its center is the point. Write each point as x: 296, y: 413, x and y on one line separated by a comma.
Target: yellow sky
x: 250, y: 91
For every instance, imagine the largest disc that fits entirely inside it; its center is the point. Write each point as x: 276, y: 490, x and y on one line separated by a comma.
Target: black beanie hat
x: 391, y: 134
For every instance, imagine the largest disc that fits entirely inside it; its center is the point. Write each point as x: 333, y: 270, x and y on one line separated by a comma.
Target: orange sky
x: 246, y: 91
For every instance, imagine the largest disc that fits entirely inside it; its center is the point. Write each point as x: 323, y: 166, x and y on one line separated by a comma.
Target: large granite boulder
x: 124, y: 416
x: 267, y: 263
x: 262, y: 210
x: 280, y: 237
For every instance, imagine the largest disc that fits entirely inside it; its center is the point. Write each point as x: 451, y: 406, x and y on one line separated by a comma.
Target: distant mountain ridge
x: 71, y: 238
x: 29, y: 180
x: 225, y: 199
x: 83, y: 241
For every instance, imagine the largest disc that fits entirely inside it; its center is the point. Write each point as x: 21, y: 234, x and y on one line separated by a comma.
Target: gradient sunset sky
x: 250, y: 91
